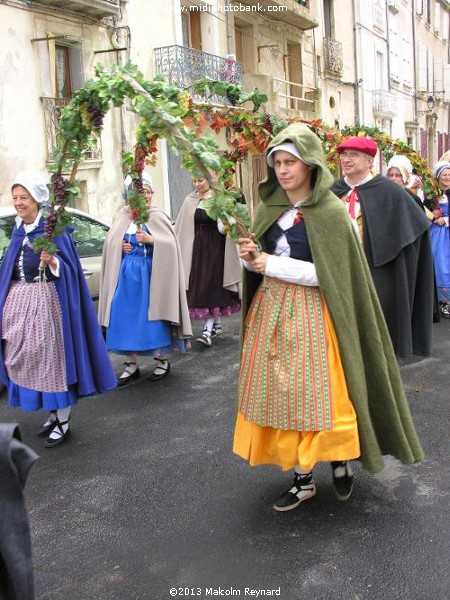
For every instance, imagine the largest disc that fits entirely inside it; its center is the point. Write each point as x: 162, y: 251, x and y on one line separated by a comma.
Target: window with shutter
x: 422, y: 82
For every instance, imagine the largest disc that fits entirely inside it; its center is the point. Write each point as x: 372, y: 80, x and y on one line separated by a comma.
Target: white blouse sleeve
x: 55, y: 271
x: 292, y: 270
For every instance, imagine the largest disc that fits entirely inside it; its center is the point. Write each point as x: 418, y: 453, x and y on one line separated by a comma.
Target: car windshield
x: 6, y: 227
x: 88, y: 235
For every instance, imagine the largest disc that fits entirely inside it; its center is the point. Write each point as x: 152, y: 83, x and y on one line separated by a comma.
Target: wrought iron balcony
x: 332, y: 53
x: 384, y: 103
x: 52, y: 115
x: 90, y: 8
x: 298, y: 13
x: 183, y: 66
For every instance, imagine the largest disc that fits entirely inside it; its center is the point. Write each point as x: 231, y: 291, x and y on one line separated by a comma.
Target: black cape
x: 398, y: 250
x: 16, y: 565
x: 436, y: 310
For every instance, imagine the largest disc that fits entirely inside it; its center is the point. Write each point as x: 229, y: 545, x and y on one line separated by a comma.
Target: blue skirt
x: 440, y: 243
x: 129, y: 328
x: 26, y: 399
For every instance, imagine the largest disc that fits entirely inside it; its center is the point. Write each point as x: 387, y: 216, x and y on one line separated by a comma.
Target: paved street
x: 146, y: 496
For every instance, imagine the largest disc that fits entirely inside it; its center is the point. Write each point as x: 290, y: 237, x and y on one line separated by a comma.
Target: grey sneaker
x: 205, y: 338
x: 216, y: 330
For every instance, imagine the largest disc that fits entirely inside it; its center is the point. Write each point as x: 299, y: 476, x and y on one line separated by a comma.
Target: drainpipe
x: 230, y: 49
x: 316, y: 78
x: 415, y: 67
x: 319, y: 98
x: 355, y: 60
x: 388, y: 48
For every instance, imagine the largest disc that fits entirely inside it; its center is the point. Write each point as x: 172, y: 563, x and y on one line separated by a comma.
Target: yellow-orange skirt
x: 287, y: 448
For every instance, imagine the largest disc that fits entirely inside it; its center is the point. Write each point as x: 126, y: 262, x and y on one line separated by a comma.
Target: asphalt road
x: 147, y: 496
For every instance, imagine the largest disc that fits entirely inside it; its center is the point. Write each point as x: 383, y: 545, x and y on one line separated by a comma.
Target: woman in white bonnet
x: 142, y: 300
x: 440, y: 235
x: 400, y: 171
x: 52, y: 348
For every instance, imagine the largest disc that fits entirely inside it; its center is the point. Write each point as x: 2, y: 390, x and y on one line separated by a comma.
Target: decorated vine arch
x: 168, y: 112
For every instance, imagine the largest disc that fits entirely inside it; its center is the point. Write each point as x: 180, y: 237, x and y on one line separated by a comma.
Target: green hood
x: 310, y: 149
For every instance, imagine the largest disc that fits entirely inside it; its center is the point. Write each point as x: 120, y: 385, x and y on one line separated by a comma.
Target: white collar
x: 365, y: 180
x: 29, y: 227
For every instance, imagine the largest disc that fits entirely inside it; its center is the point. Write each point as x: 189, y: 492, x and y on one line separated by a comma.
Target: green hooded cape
x: 371, y: 369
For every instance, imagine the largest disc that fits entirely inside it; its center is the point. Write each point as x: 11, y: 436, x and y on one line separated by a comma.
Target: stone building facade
x: 386, y: 66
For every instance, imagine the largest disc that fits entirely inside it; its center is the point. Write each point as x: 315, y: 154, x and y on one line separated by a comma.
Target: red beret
x: 361, y: 144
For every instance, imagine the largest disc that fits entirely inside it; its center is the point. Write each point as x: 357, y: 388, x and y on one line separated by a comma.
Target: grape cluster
x: 59, y: 187
x: 140, y: 154
x: 140, y: 164
x: 139, y: 185
x: 267, y: 122
x: 96, y: 117
x: 237, y: 155
x: 183, y: 101
x: 232, y: 96
x: 49, y: 225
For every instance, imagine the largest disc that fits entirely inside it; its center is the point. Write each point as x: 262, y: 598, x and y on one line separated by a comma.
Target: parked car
x: 89, y: 236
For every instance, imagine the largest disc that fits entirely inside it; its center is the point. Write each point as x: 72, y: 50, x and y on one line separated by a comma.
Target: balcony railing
x: 297, y: 13
x: 184, y: 66
x: 52, y: 115
x: 332, y: 52
x: 384, y: 103
x: 295, y: 97
x: 90, y: 8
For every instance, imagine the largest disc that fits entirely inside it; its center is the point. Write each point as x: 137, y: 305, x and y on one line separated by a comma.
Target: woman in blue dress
x: 142, y: 299
x: 52, y: 350
x: 440, y: 236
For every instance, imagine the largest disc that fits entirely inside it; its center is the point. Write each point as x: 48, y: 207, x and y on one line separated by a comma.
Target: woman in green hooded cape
x: 319, y: 380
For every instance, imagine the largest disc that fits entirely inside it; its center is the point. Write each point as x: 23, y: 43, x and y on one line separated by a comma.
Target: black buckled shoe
x: 48, y: 425
x: 161, y: 371
x: 128, y: 374
x: 302, y: 489
x: 63, y: 435
x: 342, y: 479
x: 445, y: 310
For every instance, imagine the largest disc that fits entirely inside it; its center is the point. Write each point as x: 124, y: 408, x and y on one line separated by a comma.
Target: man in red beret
x: 394, y: 233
